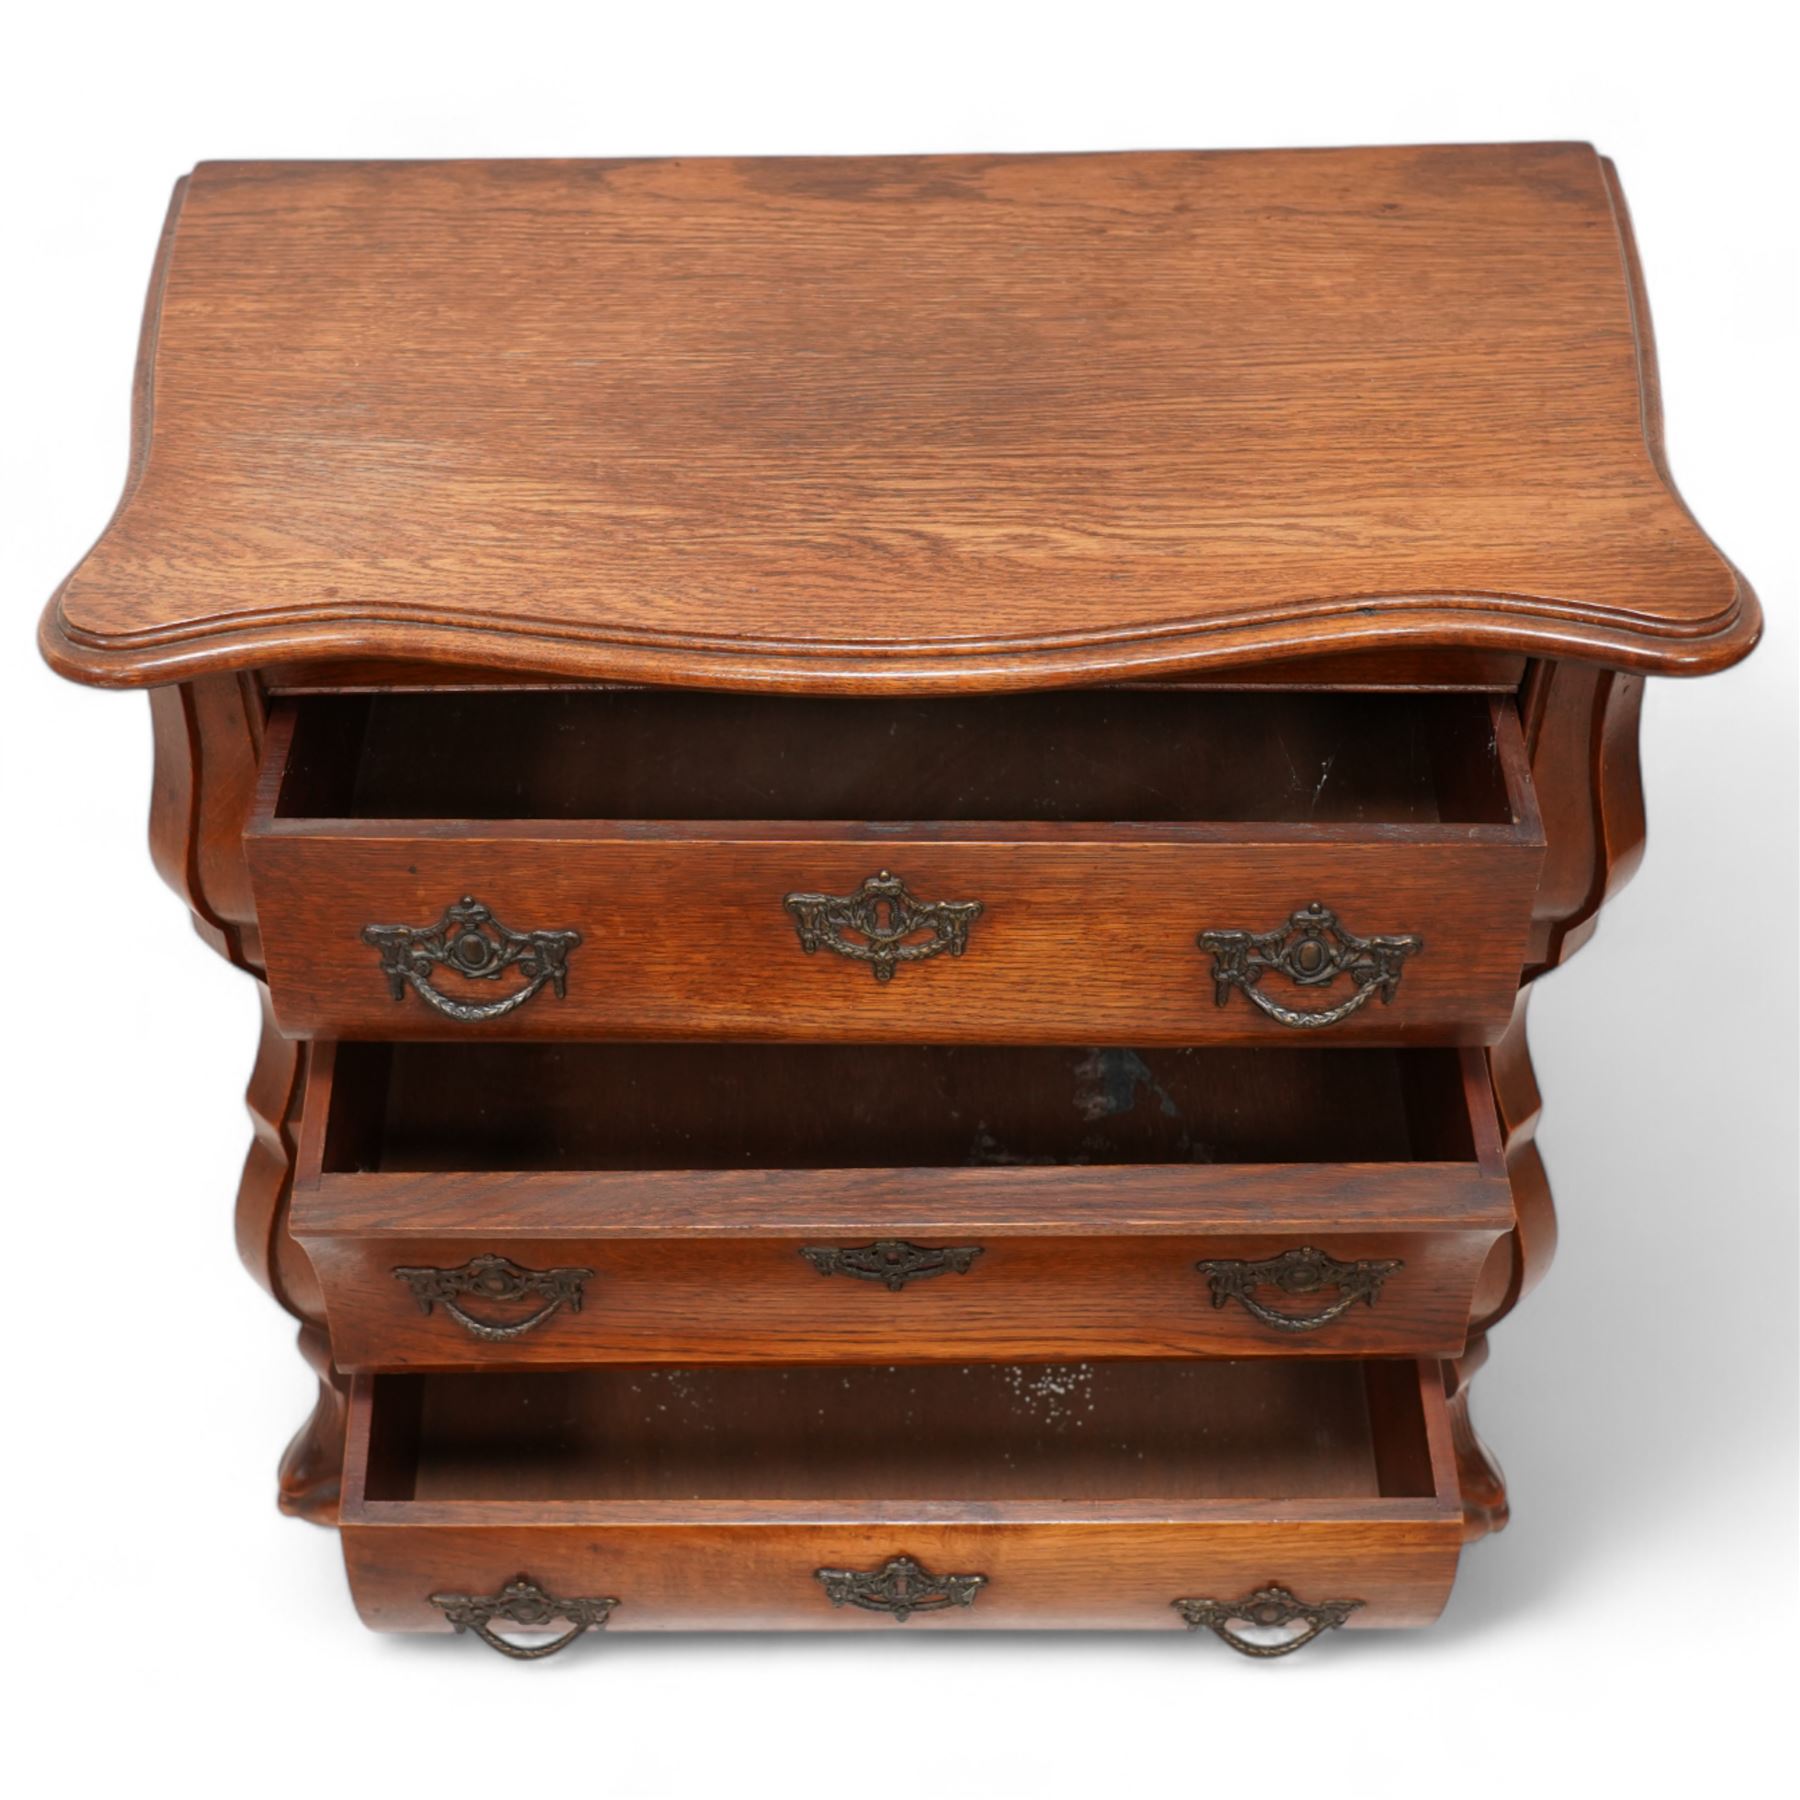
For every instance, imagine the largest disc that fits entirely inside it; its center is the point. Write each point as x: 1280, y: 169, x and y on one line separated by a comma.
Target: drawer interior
x: 1286, y: 1428
x: 1325, y: 758
x: 421, y: 1107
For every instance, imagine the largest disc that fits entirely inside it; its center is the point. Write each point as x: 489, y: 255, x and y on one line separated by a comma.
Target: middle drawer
x: 554, y: 1205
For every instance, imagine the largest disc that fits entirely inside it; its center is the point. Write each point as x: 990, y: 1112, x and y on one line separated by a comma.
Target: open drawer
x: 1225, y: 1495
x: 1140, y: 867
x: 543, y: 1204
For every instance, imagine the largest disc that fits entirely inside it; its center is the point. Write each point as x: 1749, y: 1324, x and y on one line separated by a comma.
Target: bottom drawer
x: 1267, y: 1500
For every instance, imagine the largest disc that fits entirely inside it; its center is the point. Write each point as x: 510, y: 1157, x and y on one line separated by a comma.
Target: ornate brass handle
x: 496, y: 1278
x: 892, y: 1261
x: 881, y: 924
x: 523, y: 1603
x: 470, y: 940
x: 1269, y: 1607
x: 899, y: 1588
x: 1302, y: 1271
x: 1312, y: 949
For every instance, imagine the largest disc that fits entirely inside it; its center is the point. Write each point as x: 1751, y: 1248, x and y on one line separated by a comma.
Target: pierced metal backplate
x: 472, y: 942
x: 1302, y: 1271
x: 881, y: 924
x: 899, y: 1588
x: 499, y: 1279
x: 1312, y: 950
x: 892, y: 1261
x: 524, y: 1604
x: 1269, y: 1608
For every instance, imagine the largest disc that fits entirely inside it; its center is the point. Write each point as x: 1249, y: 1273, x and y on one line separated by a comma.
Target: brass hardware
x: 1302, y: 1271
x: 892, y: 1261
x: 886, y: 922
x: 496, y: 1278
x: 523, y: 1603
x: 1269, y: 1607
x: 1312, y: 949
x: 900, y: 1588
x: 470, y: 940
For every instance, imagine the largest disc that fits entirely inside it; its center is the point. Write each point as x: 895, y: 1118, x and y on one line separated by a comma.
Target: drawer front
x: 1156, y: 936
x: 500, y: 1302
x: 462, y: 1261
x: 1114, y: 1575
x: 1334, y: 1485
x: 1306, y: 870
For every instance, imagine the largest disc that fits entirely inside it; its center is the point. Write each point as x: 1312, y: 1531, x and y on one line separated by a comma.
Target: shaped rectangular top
x: 898, y: 423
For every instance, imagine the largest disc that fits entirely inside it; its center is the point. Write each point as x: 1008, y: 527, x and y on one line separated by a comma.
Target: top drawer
x: 1164, y: 867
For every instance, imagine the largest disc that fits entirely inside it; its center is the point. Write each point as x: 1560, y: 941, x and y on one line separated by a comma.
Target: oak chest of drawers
x: 894, y: 817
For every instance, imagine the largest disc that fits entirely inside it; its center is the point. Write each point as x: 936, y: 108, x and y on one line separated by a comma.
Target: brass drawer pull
x: 523, y: 1603
x: 1312, y: 949
x: 1302, y: 1271
x: 892, y: 1261
x: 899, y: 1588
x: 500, y: 1279
x: 1270, y: 1608
x: 885, y: 924
x: 470, y: 940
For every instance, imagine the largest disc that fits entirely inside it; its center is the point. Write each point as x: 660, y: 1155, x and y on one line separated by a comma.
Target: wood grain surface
x: 1205, y: 1480
x: 1090, y: 922
x: 1338, y: 475
x: 898, y: 423
x: 1034, y: 1299
x: 1090, y: 1257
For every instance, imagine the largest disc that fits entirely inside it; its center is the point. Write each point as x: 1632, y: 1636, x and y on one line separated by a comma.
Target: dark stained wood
x: 1095, y: 1257
x: 1479, y: 1480
x: 904, y: 423
x: 1089, y: 928
x: 1090, y: 1495
x: 1027, y: 1298
x: 1522, y: 1260
x: 991, y: 1111
x: 1517, y: 1262
x: 1417, y: 669
x: 174, y: 799
x: 1181, y: 1430
x: 208, y: 739
x: 309, y: 1475
x: 1581, y: 732
x: 1313, y: 758
x: 632, y: 544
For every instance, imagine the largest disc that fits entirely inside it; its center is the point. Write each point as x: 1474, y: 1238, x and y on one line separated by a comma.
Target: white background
x: 1636, y: 1621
